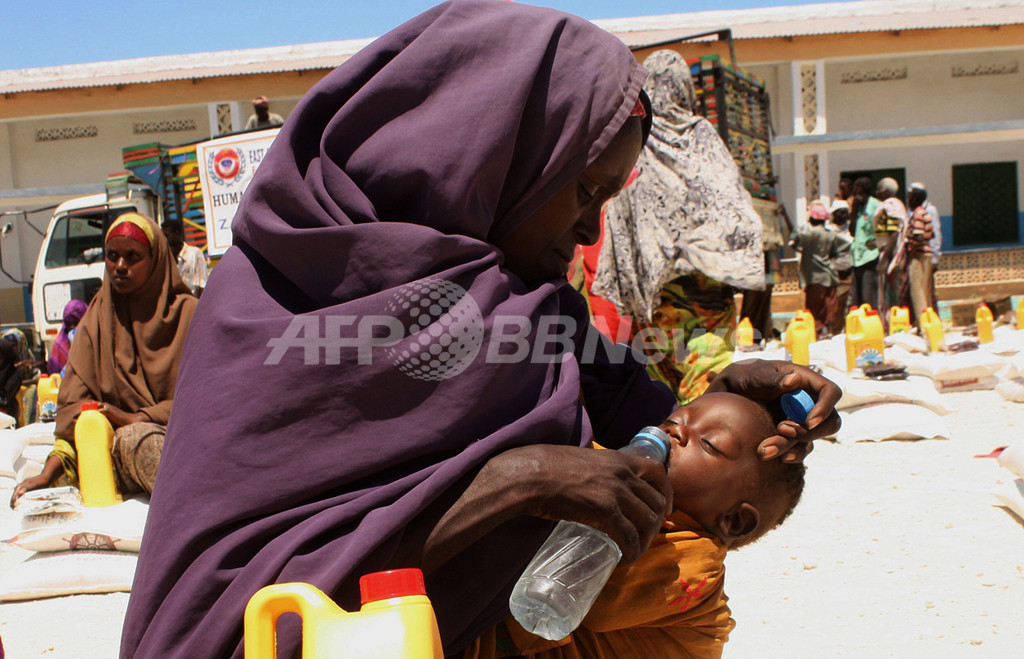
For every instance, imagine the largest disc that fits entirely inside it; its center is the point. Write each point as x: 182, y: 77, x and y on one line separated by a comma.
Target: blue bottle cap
x: 797, y: 405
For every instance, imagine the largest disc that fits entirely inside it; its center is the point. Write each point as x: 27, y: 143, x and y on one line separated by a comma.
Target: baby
x: 671, y: 602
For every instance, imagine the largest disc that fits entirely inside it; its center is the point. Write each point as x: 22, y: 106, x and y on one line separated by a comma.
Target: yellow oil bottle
x: 46, y: 396
x: 806, y: 316
x: 856, y: 312
x: 899, y: 320
x: 799, y: 337
x: 865, y: 338
x: 744, y: 334
x: 931, y: 326
x: 983, y: 316
x: 1020, y: 314
x: 94, y: 438
x: 396, y: 620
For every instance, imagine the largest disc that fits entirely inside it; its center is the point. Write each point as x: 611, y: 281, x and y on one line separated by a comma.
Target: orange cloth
x: 669, y: 603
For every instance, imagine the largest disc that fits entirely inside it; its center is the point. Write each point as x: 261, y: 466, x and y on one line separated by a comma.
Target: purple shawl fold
x: 399, y: 169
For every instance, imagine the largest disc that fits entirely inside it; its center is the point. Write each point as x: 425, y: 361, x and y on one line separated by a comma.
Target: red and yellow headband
x: 134, y: 226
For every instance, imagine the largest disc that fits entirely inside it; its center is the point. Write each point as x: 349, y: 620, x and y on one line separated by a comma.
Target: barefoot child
x: 671, y: 602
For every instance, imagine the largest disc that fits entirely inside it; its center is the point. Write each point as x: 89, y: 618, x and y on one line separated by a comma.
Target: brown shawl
x: 127, y: 348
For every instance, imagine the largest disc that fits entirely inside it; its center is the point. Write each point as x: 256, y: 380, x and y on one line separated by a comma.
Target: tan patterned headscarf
x: 687, y: 212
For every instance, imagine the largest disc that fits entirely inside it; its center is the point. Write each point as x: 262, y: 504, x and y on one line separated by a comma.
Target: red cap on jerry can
x: 91, y: 405
x: 378, y: 586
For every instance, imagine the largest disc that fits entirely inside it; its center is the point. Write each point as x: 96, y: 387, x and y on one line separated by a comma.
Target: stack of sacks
x: 76, y: 549
x: 875, y: 410
x: 829, y: 353
x: 23, y: 452
x: 1011, y: 494
x: 1009, y: 344
x: 956, y: 371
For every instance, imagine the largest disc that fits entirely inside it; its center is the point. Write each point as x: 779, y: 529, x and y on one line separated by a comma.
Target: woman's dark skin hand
x: 119, y: 417
x: 625, y: 496
x: 765, y: 381
x: 51, y: 470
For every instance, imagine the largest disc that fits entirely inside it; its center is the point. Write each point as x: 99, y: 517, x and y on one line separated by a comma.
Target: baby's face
x: 713, y: 458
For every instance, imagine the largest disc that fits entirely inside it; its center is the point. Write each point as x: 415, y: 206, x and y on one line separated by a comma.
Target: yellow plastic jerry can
x: 396, y: 620
x: 983, y: 316
x: 46, y: 396
x: 94, y: 438
x: 899, y: 320
x: 932, y: 327
x: 865, y: 338
x: 799, y: 337
x: 744, y: 334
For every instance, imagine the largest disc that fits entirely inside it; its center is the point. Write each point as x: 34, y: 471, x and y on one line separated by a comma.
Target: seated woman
x: 125, y: 356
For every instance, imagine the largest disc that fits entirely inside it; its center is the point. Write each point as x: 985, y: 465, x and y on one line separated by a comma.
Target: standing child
x: 818, y: 248
x: 671, y: 602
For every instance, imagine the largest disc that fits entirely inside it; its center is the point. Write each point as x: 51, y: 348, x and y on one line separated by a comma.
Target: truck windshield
x: 78, y: 239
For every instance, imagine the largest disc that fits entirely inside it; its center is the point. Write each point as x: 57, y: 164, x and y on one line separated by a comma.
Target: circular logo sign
x: 225, y: 165
x: 444, y: 329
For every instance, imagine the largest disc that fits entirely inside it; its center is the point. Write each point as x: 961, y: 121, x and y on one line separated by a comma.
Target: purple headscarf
x: 391, y: 181
x: 73, y: 312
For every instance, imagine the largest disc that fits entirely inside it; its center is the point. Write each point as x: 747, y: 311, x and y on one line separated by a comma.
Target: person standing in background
x: 889, y: 220
x: 918, y: 189
x: 864, y: 250
x: 263, y: 117
x: 843, y: 264
x: 819, y: 248
x: 190, y: 259
x: 845, y: 192
x: 918, y: 237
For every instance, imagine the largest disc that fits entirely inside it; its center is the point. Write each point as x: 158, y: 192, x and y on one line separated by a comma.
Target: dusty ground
x: 896, y: 550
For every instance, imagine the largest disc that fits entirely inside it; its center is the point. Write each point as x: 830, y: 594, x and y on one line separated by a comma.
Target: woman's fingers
x: 627, y: 497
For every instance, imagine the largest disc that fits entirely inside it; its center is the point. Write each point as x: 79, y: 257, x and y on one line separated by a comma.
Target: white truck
x: 198, y: 183
x: 70, y: 263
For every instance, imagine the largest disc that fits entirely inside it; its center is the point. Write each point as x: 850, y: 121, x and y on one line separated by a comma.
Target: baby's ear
x: 739, y: 522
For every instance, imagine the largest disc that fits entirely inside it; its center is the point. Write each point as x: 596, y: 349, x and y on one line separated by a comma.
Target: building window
x: 985, y: 204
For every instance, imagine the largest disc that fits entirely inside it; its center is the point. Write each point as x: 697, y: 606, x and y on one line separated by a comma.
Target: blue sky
x: 60, y: 32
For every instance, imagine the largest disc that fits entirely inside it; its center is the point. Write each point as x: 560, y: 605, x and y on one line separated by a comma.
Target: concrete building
x: 921, y: 90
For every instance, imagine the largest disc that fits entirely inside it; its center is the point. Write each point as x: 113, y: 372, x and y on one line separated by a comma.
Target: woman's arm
x: 765, y: 381
x: 119, y: 417
x: 51, y: 471
x: 625, y: 496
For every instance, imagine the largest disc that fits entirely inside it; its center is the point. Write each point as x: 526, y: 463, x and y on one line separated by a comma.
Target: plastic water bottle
x: 567, y: 574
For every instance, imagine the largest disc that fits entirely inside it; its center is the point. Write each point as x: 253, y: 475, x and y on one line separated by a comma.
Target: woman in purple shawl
x: 73, y: 312
x: 389, y: 369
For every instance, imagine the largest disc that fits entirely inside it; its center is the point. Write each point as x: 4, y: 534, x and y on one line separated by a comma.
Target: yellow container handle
x: 267, y: 605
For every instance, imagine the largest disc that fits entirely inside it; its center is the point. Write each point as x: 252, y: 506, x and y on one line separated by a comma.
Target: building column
x: 225, y: 117
x: 807, y: 82
x: 6, y: 159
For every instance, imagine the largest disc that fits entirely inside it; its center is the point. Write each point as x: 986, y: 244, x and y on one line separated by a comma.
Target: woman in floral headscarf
x: 680, y: 238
